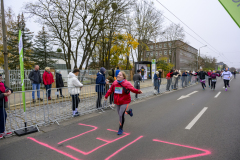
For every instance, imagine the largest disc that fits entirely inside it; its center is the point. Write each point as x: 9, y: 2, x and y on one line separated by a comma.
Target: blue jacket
x: 117, y: 71
x: 100, y: 83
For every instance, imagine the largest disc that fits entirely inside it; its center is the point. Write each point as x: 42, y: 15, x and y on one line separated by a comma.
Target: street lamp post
x: 199, y: 54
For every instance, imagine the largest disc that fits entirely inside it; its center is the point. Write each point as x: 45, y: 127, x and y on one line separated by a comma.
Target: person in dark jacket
x: 111, y: 80
x: 184, y: 78
x: 137, y: 78
x: 156, y: 81
x: 4, y: 93
x: 36, y: 80
x: 59, y: 82
x: 142, y: 73
x: 202, y: 75
x: 100, y: 86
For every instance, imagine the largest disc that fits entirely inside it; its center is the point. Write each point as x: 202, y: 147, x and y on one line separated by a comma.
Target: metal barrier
x: 34, y: 115
x: 61, y: 102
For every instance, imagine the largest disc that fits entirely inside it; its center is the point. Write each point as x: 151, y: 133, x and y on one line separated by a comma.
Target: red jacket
x: 47, y: 78
x: 120, y: 99
x: 168, y: 76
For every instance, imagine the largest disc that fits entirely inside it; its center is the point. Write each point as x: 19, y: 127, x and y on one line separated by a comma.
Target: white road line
x: 189, y: 126
x: 217, y: 94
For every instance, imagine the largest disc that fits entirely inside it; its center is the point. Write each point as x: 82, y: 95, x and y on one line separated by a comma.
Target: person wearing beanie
x: 100, y: 86
x: 59, y: 82
x: 156, y: 82
x: 137, y: 78
x: 117, y: 71
x: 74, y: 86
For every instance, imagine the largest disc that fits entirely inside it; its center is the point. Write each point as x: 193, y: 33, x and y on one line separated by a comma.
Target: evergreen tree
x: 43, y: 50
x: 13, y: 44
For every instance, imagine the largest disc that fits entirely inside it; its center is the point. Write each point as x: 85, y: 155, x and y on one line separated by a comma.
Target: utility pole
x: 5, y: 46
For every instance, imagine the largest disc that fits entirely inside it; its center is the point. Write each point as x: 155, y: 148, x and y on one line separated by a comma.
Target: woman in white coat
x: 74, y: 86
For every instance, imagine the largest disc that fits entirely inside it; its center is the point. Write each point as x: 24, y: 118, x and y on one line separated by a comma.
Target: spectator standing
x: 4, y: 93
x: 137, y: 79
x: 234, y: 73
x: 117, y: 71
x: 59, y: 82
x: 100, y: 86
x: 184, y: 78
x: 36, y: 80
x: 156, y: 81
x: 168, y: 77
x: 111, y: 80
x: 142, y: 73
x: 74, y: 86
x: 48, y: 80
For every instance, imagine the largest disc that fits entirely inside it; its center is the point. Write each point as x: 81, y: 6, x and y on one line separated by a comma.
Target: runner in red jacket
x: 121, y: 98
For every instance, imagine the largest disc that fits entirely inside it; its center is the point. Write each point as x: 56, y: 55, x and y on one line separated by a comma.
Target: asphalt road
x: 156, y: 131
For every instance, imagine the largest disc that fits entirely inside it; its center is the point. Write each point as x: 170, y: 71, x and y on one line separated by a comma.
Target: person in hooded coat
x: 59, y: 82
x: 100, y: 86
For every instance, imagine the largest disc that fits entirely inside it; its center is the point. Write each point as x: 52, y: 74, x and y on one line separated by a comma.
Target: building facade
x: 182, y: 55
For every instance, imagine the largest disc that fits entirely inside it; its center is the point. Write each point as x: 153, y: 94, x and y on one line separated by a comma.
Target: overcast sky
x: 205, y: 17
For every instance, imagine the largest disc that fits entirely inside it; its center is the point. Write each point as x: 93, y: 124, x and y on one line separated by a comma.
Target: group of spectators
x: 47, y: 79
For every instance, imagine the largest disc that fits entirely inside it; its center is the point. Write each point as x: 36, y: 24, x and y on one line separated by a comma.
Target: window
x: 156, y: 53
x: 170, y: 52
x: 169, y: 61
x: 147, y: 54
x: 165, y: 52
x: 165, y: 45
x: 160, y: 45
x: 157, y: 46
x: 151, y: 54
x: 170, y: 44
x: 160, y: 53
x: 151, y: 47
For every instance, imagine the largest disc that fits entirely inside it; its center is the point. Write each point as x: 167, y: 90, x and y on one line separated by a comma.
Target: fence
x: 59, y: 108
x: 85, y: 76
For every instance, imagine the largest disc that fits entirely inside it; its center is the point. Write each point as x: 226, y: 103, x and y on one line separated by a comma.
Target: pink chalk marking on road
x: 206, y: 152
x: 107, y: 142
x: 95, y: 128
x: 123, y: 148
x: 50, y: 147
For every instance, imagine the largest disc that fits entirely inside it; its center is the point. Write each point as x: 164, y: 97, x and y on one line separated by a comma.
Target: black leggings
x: 203, y: 85
x: 209, y: 81
x: 213, y: 84
x: 111, y: 98
x: 226, y: 83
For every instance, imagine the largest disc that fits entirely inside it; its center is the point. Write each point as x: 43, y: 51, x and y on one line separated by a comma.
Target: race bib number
x: 118, y: 90
x: 214, y: 80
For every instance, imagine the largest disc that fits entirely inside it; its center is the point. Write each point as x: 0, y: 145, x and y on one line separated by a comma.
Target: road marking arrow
x: 186, y: 96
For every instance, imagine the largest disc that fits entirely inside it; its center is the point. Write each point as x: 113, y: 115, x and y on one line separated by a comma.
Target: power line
x: 184, y: 24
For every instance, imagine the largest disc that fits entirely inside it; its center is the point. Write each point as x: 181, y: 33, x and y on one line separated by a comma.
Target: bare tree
x: 148, y: 23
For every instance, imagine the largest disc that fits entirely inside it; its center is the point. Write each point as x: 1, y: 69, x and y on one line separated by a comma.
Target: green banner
x: 20, y: 46
x: 233, y: 8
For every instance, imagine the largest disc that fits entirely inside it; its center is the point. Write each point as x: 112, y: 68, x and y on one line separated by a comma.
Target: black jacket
x: 2, y: 95
x: 59, y: 81
x: 35, y: 77
x: 202, y: 75
x: 160, y: 74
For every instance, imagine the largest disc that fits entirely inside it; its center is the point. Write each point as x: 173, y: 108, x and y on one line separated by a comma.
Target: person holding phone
x: 121, y: 89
